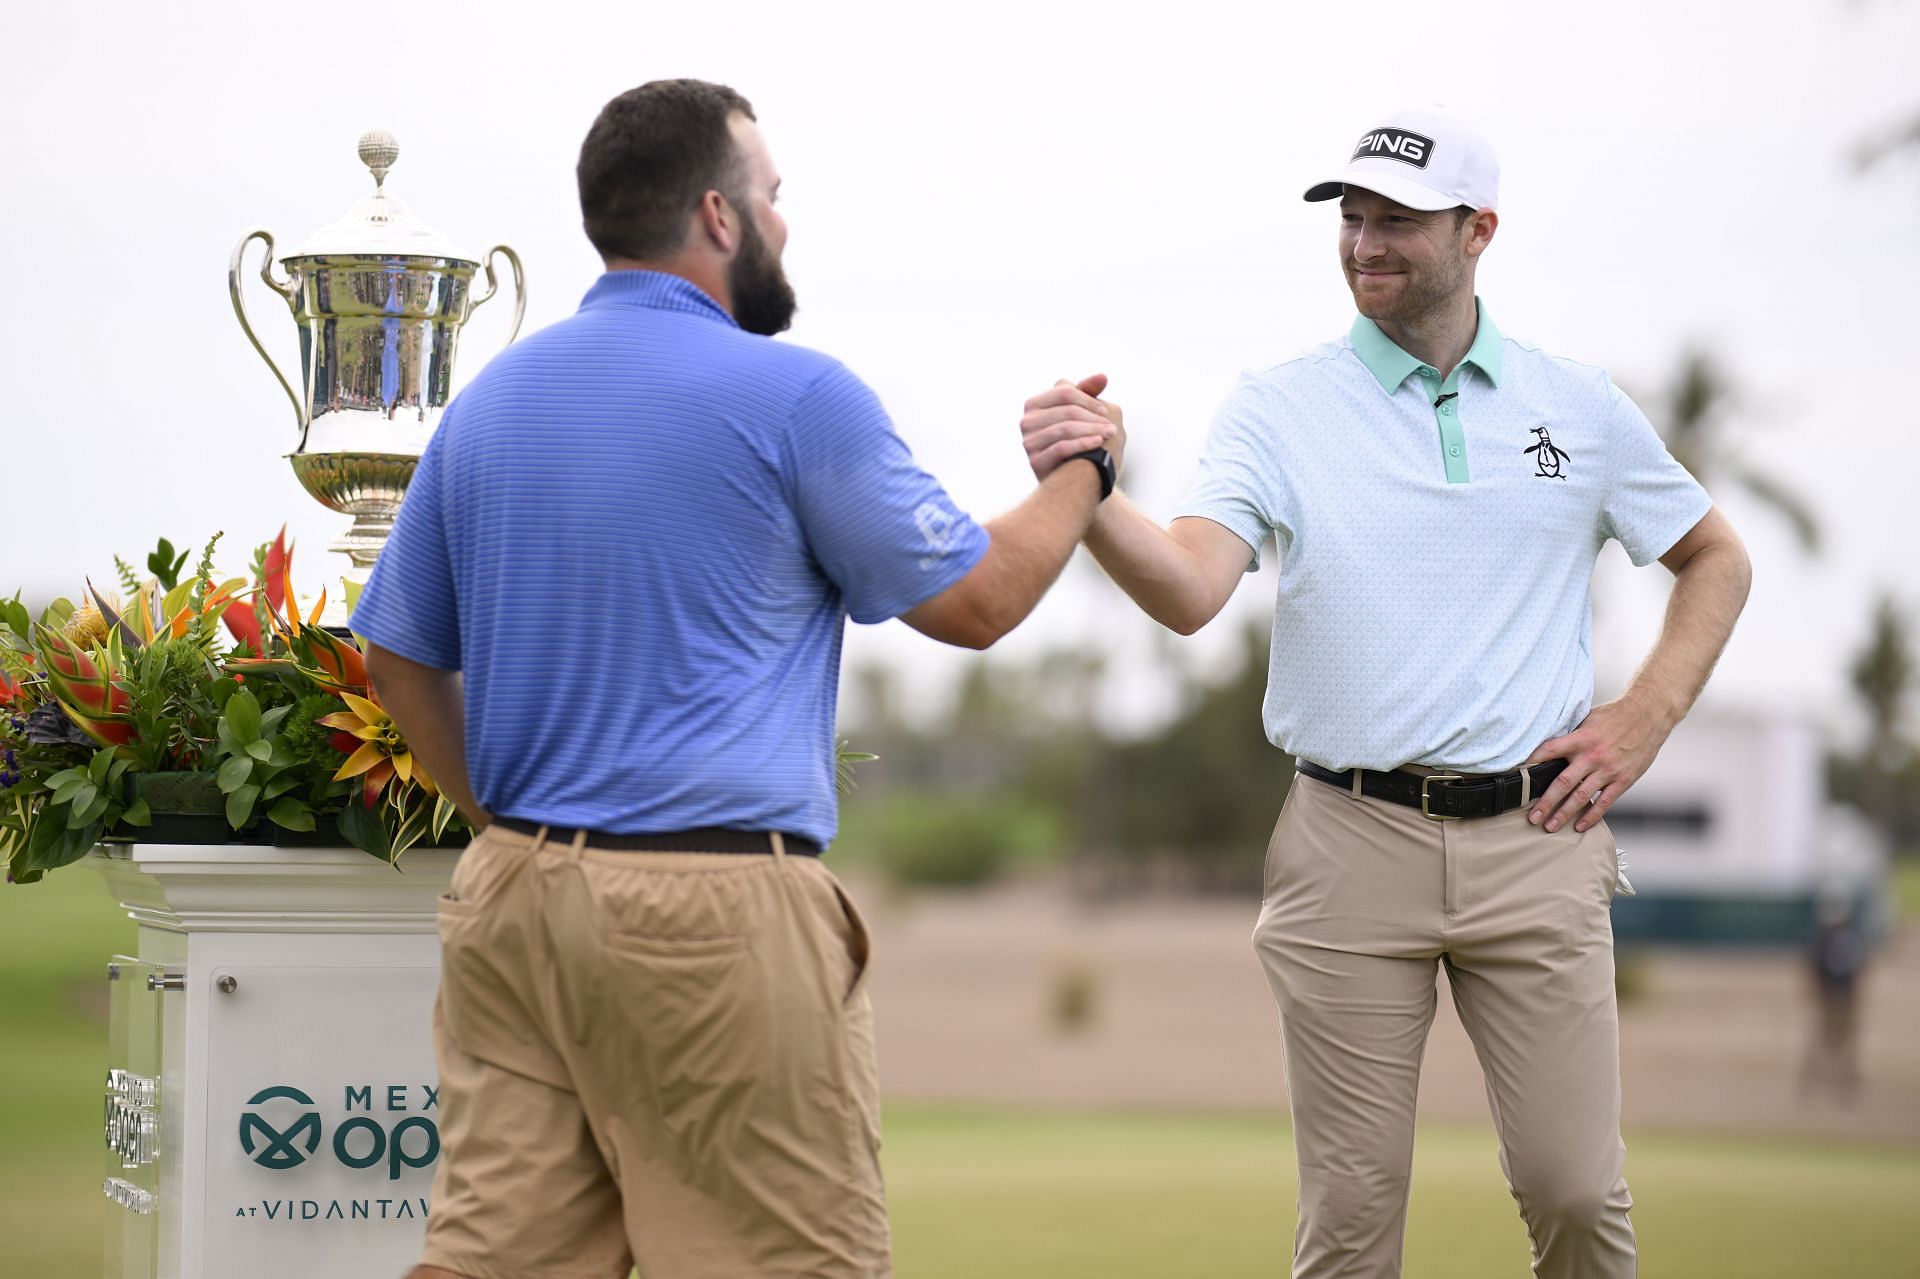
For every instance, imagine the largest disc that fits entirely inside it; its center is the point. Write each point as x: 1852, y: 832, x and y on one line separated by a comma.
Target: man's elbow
x: 985, y: 625
x: 1185, y: 616
x: 1741, y: 584
x: 1743, y: 566
x: 1730, y: 562
x: 960, y: 620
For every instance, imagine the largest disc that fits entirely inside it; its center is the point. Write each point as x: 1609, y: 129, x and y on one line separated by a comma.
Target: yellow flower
x: 382, y: 754
x: 87, y: 627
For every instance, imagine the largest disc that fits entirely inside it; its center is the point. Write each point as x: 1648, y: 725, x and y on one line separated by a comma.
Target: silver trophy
x: 379, y: 298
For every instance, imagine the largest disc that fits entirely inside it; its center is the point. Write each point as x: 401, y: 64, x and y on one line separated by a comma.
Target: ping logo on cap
x: 1395, y: 144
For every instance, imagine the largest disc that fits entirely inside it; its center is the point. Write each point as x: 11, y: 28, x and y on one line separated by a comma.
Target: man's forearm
x: 1032, y: 543
x: 1708, y: 593
x: 1616, y: 743
x: 1147, y: 562
x: 428, y: 707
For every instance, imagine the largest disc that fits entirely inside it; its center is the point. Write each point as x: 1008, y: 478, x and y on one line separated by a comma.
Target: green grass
x: 55, y: 939
x: 1143, y: 1196
x: 1906, y: 886
x: 1013, y: 1195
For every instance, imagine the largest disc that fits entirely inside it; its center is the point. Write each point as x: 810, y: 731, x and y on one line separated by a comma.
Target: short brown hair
x: 649, y: 160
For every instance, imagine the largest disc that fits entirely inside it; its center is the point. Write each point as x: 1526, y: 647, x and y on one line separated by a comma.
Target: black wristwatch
x: 1104, y: 460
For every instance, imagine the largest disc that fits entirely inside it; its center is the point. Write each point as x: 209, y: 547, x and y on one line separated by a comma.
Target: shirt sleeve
x: 408, y: 606
x: 1235, y: 484
x: 1651, y: 501
x: 879, y: 526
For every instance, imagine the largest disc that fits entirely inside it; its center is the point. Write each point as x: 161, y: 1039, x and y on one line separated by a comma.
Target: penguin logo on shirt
x: 1548, y: 455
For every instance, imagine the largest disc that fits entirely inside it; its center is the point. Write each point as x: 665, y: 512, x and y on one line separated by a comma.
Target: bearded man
x: 638, y: 536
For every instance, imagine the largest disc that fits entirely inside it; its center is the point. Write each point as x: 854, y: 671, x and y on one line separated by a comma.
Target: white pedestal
x: 281, y: 1001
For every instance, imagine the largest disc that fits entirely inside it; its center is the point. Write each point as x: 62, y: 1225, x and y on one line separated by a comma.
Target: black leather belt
x: 1443, y: 797
x: 712, y: 839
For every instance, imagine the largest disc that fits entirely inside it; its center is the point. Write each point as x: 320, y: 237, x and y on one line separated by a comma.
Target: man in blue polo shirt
x: 1437, y: 493
x: 637, y: 536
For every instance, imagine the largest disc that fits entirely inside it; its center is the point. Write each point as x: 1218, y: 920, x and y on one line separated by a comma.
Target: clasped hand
x: 1066, y: 420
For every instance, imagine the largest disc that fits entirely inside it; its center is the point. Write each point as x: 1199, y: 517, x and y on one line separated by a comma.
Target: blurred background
x: 1059, y: 845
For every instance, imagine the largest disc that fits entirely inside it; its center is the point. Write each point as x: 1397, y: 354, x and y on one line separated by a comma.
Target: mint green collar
x: 1391, y: 366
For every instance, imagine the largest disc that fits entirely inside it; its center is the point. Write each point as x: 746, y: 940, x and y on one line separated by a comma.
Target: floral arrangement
x: 191, y: 710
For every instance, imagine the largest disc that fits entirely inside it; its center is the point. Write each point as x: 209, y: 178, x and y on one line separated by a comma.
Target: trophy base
x: 367, y: 486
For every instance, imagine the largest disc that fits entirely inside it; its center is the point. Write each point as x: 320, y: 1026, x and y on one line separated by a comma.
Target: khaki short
x: 653, y: 1059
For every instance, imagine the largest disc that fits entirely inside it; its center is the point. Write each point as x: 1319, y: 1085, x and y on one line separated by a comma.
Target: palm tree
x: 1881, y: 673
x: 1698, y: 405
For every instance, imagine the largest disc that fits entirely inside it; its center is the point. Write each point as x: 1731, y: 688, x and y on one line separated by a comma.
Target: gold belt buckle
x: 1426, y: 796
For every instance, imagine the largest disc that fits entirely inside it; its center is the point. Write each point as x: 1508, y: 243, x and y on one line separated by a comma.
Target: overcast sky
x: 983, y: 198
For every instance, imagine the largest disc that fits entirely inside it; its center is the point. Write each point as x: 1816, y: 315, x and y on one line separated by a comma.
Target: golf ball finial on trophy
x: 379, y: 298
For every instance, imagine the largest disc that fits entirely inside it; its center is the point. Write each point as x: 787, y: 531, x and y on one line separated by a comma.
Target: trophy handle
x: 493, y: 287
x: 240, y: 310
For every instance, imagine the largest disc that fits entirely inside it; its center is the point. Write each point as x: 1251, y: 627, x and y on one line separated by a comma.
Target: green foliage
x: 1883, y: 777
x: 309, y: 741
x: 1882, y: 672
x: 165, y: 566
x: 1205, y: 789
x: 129, y: 580
x: 942, y: 839
x: 1906, y: 890
x: 844, y: 758
x: 204, y: 625
x: 1700, y: 402
x: 13, y: 614
x: 1019, y: 768
x: 255, y: 768
x: 258, y: 573
x: 188, y: 703
x: 174, y: 710
x: 416, y: 818
x: 82, y: 804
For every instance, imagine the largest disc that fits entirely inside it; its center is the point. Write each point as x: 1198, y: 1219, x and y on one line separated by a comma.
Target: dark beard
x: 1417, y: 304
x: 763, y: 301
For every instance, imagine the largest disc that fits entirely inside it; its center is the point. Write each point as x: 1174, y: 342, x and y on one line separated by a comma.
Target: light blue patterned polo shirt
x: 1437, y: 541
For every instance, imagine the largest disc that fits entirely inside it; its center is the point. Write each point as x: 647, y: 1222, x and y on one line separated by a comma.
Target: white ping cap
x: 1425, y: 157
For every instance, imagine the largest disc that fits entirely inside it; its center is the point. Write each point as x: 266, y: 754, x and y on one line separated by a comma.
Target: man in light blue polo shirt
x: 638, y: 536
x: 1437, y: 493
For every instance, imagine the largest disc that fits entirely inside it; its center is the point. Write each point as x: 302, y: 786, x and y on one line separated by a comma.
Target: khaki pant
x: 653, y: 1059
x: 1363, y: 899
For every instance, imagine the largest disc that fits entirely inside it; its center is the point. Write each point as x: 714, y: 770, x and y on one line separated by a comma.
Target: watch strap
x: 1103, y: 460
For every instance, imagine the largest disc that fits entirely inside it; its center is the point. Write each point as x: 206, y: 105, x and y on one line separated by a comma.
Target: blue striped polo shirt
x: 639, y: 534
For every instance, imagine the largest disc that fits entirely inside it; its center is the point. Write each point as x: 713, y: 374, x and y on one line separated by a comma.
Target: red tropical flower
x: 93, y: 699
x: 274, y: 573
x: 11, y: 690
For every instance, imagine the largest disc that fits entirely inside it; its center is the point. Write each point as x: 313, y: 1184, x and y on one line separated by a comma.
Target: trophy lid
x: 379, y: 225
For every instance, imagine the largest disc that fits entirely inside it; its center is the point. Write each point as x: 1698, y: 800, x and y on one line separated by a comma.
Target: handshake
x: 1068, y: 419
